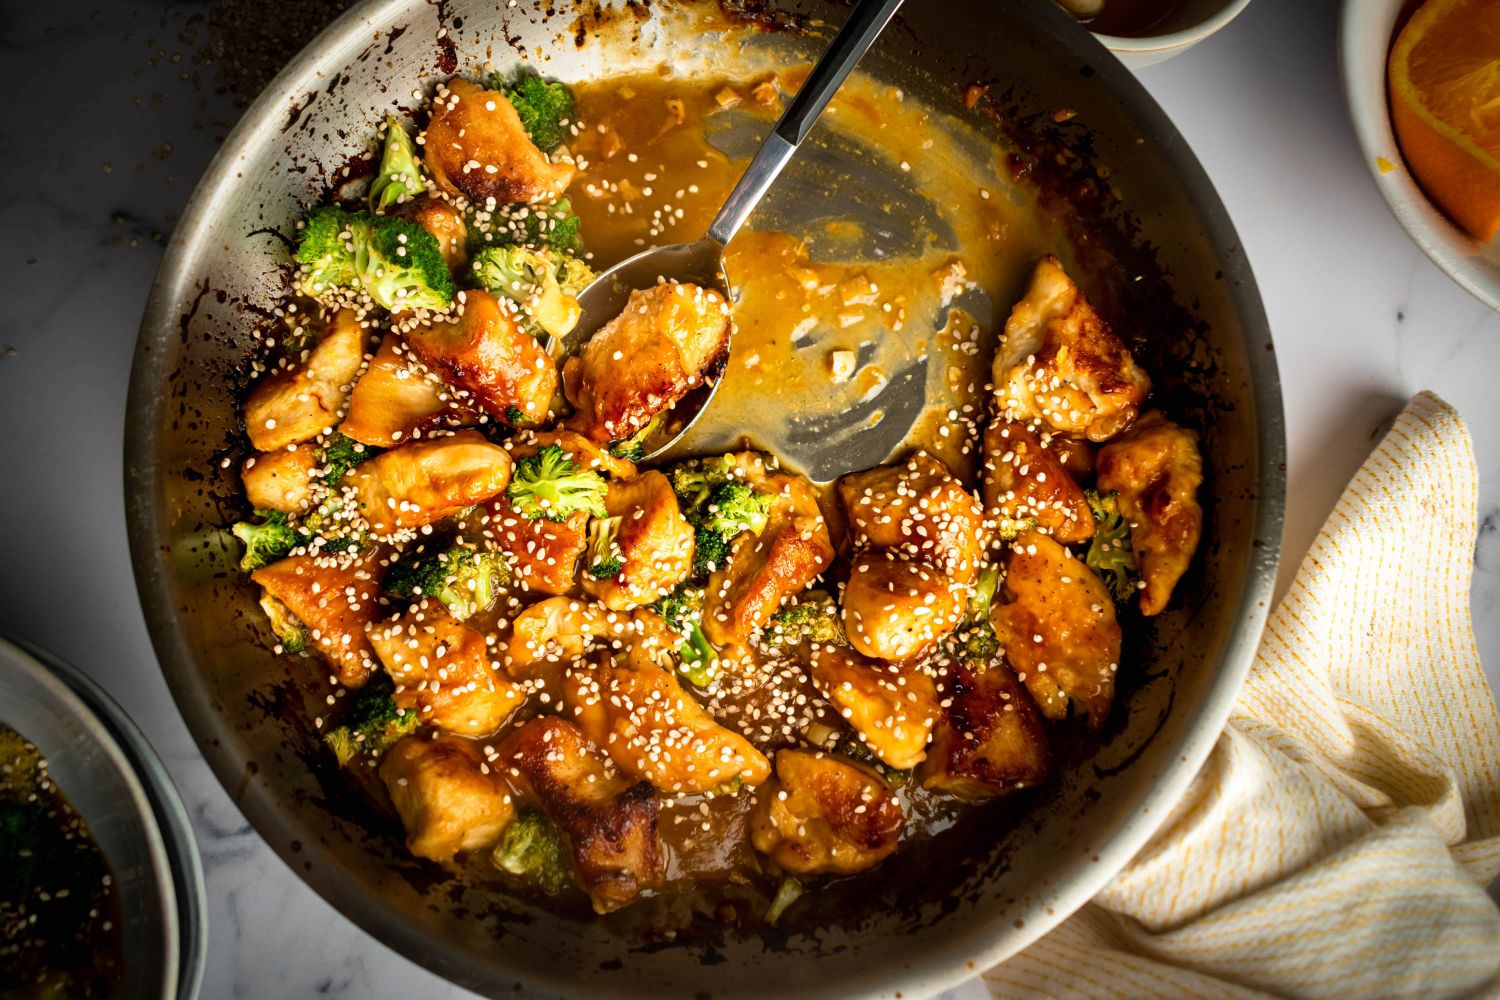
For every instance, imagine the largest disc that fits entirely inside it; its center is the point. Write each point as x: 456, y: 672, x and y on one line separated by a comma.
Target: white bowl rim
x: 1175, y: 39
x: 1455, y: 252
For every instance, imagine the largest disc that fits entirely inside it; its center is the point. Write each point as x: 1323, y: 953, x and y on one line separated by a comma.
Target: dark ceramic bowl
x: 1159, y: 256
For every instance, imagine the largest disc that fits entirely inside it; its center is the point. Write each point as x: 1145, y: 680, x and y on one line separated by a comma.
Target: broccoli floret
x: 549, y: 485
x: 554, y: 227
x: 633, y: 448
x: 532, y: 848
x: 397, y: 262
x: 573, y: 275
x: 463, y: 579
x: 515, y: 416
x: 605, y: 559
x: 266, y: 540
x: 399, y: 176
x: 694, y: 481
x: 710, y: 551
x: 1110, y: 553
x: 373, y: 724
x: 291, y: 634
x: 735, y: 507
x: 682, y: 610
x: 975, y: 638
x: 529, y: 278
x: 544, y: 107
x: 341, y: 454
x: 814, y: 618
x: 326, y: 530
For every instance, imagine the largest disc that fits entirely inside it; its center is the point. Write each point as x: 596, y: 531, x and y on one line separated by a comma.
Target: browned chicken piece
x: 336, y: 603
x: 560, y: 629
x: 445, y: 223
x: 669, y: 339
x: 281, y: 480
x: 610, y: 822
x: 655, y: 541
x: 297, y: 404
x: 486, y: 352
x: 477, y: 147
x: 447, y: 798
x: 428, y: 480
x: 917, y: 508
x: 655, y: 731
x: 1057, y: 624
x: 990, y: 739
x: 580, y: 450
x: 764, y: 570
x: 1156, y: 469
x: 1059, y: 363
x: 823, y: 814
x: 1026, y: 483
x: 443, y: 672
x: 395, y: 399
x: 543, y: 554
x: 893, y: 709
x: 898, y: 609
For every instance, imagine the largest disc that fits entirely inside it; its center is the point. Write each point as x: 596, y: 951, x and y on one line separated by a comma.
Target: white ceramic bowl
x: 1199, y: 20
x: 1366, y: 34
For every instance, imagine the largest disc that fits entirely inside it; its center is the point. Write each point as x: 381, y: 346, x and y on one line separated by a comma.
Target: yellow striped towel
x: 1339, y: 839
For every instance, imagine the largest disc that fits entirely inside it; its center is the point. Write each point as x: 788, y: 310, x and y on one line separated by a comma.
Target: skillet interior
x: 987, y: 891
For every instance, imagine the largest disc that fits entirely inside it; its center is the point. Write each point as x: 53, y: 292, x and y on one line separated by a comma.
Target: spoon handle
x: 853, y: 40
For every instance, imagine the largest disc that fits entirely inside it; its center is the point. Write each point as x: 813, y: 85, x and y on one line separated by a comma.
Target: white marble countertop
x: 111, y: 117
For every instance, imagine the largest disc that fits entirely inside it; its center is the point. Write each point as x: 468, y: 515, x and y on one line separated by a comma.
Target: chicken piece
x: 670, y: 338
x: 990, y: 739
x: 487, y: 353
x: 655, y: 731
x: 1026, y: 483
x: 294, y: 405
x: 892, y: 709
x: 1058, y: 628
x: 1156, y: 470
x: 476, y: 146
x: 448, y: 800
x: 396, y: 398
x: 428, y: 480
x: 445, y: 223
x: 824, y: 815
x: 917, y: 508
x: 281, y: 480
x: 898, y: 609
x: 443, y: 672
x: 655, y: 542
x: 1060, y: 364
x: 543, y: 554
x: 560, y: 629
x: 610, y: 822
x: 336, y: 603
x: 580, y: 450
x: 764, y: 570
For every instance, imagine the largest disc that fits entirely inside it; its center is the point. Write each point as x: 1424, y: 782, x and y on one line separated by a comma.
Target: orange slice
x: 1445, y: 105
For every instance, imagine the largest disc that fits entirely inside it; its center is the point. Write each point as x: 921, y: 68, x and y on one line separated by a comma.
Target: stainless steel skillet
x: 1138, y: 207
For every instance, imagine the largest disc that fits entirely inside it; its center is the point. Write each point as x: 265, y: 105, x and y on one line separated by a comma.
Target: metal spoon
x: 702, y: 263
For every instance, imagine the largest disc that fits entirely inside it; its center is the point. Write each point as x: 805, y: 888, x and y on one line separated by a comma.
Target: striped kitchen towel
x: 1339, y: 840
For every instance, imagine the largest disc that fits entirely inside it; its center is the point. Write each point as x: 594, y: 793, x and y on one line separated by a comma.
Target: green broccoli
x: 291, y: 634
x: 532, y: 848
x: 399, y: 176
x: 814, y: 618
x: 515, y: 416
x: 605, y: 558
x: 463, y: 579
x: 633, y: 448
x: 373, y: 724
x: 530, y: 279
x: 710, y: 551
x: 550, y: 486
x: 975, y: 637
x: 545, y: 108
x: 267, y: 540
x: 682, y: 610
x: 328, y: 530
x: 1110, y: 553
x: 735, y: 507
x: 695, y: 480
x: 573, y: 275
x: 787, y: 893
x: 397, y: 262
x: 718, y: 506
x: 553, y: 227
x: 340, y: 454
